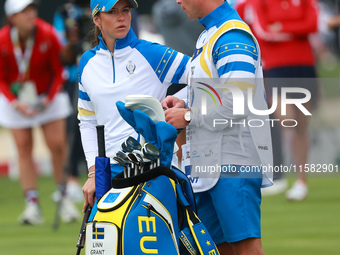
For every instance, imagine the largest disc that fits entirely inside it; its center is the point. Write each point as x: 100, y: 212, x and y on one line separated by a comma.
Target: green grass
x: 294, y: 228
x: 39, y: 240
x: 308, y: 227
x: 330, y: 83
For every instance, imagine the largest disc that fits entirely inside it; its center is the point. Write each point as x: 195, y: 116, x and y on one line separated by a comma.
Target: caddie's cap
x: 15, y: 6
x: 106, y: 5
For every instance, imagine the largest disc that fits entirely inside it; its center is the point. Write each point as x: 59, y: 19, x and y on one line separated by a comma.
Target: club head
x: 138, y: 156
x: 152, y: 153
x: 132, y: 157
x: 134, y: 163
x: 122, y: 156
x: 150, y: 149
x: 125, y: 148
x: 133, y: 143
x: 119, y: 161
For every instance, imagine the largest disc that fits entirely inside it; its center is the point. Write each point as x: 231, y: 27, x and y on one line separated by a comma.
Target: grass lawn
x: 308, y: 227
x: 40, y: 240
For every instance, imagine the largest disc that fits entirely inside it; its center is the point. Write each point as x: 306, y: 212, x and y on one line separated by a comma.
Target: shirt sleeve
x: 89, y: 140
x: 169, y: 65
x: 57, y: 66
x: 305, y: 26
x: 88, y: 122
x: 4, y: 85
x: 182, y: 94
x: 87, y: 126
x: 87, y: 117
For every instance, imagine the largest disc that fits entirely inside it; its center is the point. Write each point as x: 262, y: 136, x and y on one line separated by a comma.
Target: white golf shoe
x: 74, y: 192
x: 279, y: 186
x: 68, y: 211
x: 31, y: 215
x: 298, y: 191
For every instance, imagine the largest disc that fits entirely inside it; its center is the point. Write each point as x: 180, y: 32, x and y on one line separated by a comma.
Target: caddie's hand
x: 89, y: 190
x: 175, y: 117
x: 172, y: 102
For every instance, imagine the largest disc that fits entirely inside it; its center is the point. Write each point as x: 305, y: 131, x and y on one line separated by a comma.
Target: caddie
x: 224, y: 72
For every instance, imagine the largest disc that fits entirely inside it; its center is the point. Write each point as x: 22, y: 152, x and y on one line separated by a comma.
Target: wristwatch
x: 187, y: 116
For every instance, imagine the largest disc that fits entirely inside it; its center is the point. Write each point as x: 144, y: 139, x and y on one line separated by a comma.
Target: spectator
x: 72, y: 22
x: 179, y: 32
x: 282, y: 29
x: 30, y: 83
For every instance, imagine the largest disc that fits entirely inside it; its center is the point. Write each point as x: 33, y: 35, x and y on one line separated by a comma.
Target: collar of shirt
x: 218, y: 16
x: 129, y: 40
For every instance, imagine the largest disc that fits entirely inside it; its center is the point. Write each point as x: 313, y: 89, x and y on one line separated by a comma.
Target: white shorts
x: 59, y: 108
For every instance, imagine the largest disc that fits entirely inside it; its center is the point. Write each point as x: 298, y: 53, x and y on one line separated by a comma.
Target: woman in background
x: 30, y: 83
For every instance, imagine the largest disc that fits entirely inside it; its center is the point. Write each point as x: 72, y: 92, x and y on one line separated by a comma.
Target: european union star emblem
x: 111, y: 197
x: 98, y: 233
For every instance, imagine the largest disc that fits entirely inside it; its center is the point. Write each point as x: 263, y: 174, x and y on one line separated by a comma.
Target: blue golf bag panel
x: 152, y: 224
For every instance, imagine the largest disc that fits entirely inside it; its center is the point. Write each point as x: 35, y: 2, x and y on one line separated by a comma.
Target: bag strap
x: 185, y: 188
x: 203, y: 240
x: 200, y: 234
x: 119, y: 181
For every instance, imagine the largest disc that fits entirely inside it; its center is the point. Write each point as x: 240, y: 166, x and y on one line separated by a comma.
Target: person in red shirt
x: 31, y: 77
x: 282, y: 28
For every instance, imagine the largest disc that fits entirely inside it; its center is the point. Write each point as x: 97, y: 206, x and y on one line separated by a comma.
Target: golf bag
x: 153, y: 212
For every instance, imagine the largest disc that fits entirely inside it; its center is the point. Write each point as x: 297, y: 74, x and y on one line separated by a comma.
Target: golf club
x: 151, y: 152
x: 122, y: 163
x: 141, y: 162
x: 134, y: 162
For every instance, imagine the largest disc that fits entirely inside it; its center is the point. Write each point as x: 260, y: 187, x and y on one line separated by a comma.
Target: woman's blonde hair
x: 95, y: 32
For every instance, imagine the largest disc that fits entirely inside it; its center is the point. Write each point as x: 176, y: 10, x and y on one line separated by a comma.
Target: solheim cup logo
x: 131, y: 67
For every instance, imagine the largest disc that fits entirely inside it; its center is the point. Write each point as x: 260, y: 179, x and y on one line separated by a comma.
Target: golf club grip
x: 81, y: 238
x: 101, y: 141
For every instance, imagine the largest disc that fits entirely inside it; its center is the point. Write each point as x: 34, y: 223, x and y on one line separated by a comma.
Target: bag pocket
x: 115, y: 198
x: 102, y: 238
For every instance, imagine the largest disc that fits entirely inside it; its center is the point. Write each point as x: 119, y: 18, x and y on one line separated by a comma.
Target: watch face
x: 187, y: 116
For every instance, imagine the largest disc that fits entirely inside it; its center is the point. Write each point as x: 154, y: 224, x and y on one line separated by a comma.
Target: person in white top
x: 119, y: 65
